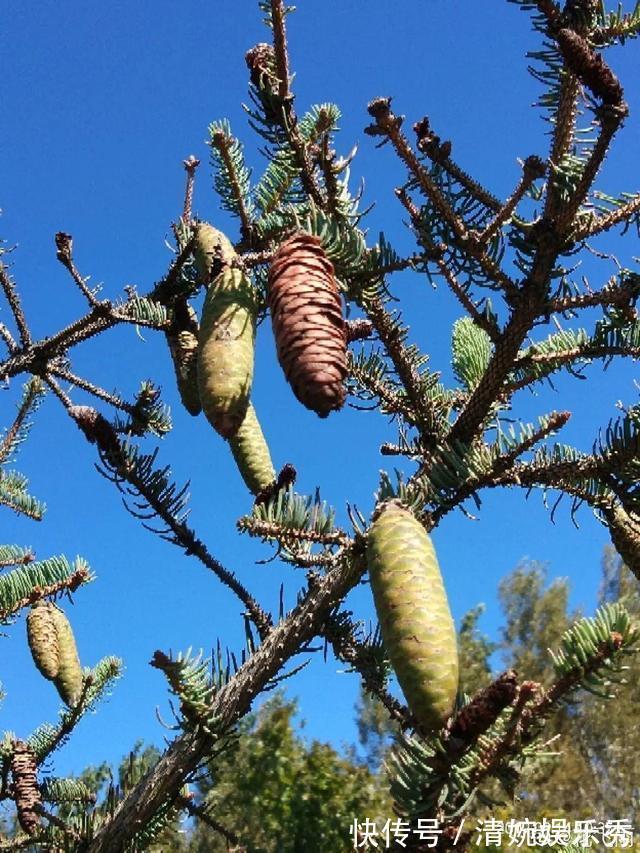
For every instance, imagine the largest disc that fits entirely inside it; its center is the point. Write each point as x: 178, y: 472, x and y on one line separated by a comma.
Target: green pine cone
x: 413, y: 610
x: 225, y: 350
x: 251, y: 452
x: 212, y: 252
x: 69, y: 678
x: 182, y: 337
x: 42, y: 636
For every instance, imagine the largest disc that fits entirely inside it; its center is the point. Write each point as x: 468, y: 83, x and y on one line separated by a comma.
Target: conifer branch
x: 23, y: 587
x: 164, y: 781
x: 278, y: 14
x: 392, y: 336
x: 393, y: 402
x: 15, y: 305
x: 594, y: 225
x: 95, y: 390
x: 533, y: 168
x: 501, y: 466
x: 619, y: 291
x: 284, y: 533
x: 201, y: 813
x: 223, y: 143
x: 563, y: 137
x: 161, y: 499
x: 340, y: 631
x: 481, y: 320
x: 190, y: 166
x: 440, y: 152
x: 8, y: 338
x: 64, y: 253
x: 389, y: 125
x: 18, y: 431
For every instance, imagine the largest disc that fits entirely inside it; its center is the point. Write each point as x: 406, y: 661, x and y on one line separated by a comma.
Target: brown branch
x: 64, y: 253
x: 7, y: 337
x: 393, y: 402
x: 440, y: 152
x: 190, y: 166
x: 278, y: 14
x: 614, y: 292
x: 599, y: 224
x: 202, y: 814
x: 389, y: 125
x: 340, y: 633
x: 501, y: 466
x: 467, y: 303
x: 69, y: 584
x: 99, y: 431
x: 95, y: 390
x: 220, y: 140
x: 13, y: 299
x: 533, y: 168
x: 163, y: 782
x: 392, y: 338
x: 281, y: 533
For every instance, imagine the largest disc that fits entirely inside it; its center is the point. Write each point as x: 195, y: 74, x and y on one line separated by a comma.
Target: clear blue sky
x: 101, y: 102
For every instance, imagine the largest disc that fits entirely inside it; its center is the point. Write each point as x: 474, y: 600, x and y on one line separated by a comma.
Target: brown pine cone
x: 310, y: 331
x: 25, y: 786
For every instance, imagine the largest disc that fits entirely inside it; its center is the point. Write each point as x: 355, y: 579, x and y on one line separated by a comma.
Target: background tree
x: 301, y: 251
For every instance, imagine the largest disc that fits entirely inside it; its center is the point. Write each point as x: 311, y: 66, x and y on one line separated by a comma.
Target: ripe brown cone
x: 308, y: 325
x: 25, y: 787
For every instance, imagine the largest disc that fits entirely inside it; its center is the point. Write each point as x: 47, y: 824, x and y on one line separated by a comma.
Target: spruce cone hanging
x: 182, y: 338
x: 251, y: 452
x: 26, y: 793
x: 413, y: 610
x: 227, y: 333
x: 53, y: 648
x: 310, y: 331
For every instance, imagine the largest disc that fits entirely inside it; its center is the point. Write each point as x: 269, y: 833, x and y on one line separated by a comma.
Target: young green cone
x: 69, y: 678
x: 54, y: 651
x: 42, y: 636
x: 251, y: 452
x: 413, y: 610
x: 227, y: 333
x: 182, y: 338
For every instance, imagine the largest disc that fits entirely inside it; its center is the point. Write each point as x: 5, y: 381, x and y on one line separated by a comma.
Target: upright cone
x: 308, y: 325
x: 412, y: 607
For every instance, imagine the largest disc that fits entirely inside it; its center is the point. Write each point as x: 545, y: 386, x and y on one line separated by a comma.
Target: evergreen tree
x: 303, y: 257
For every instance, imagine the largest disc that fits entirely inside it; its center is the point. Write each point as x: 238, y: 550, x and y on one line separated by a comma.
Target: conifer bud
x: 227, y: 333
x: 413, y: 611
x: 251, y: 452
x: 26, y: 793
x: 182, y: 338
x: 53, y: 648
x: 308, y: 324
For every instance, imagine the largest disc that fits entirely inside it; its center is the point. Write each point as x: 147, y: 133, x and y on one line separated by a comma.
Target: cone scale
x: 413, y: 611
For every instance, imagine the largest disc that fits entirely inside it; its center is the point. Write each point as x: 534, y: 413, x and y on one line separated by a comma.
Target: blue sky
x: 101, y: 102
